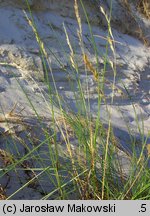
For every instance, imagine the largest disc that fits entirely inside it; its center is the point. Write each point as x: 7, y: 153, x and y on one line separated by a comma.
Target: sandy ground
x: 21, y: 70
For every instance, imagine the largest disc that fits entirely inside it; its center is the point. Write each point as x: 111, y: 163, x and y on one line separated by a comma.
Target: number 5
x: 143, y: 207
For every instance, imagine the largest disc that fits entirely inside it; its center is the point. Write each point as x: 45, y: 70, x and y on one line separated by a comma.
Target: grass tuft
x: 80, y: 157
